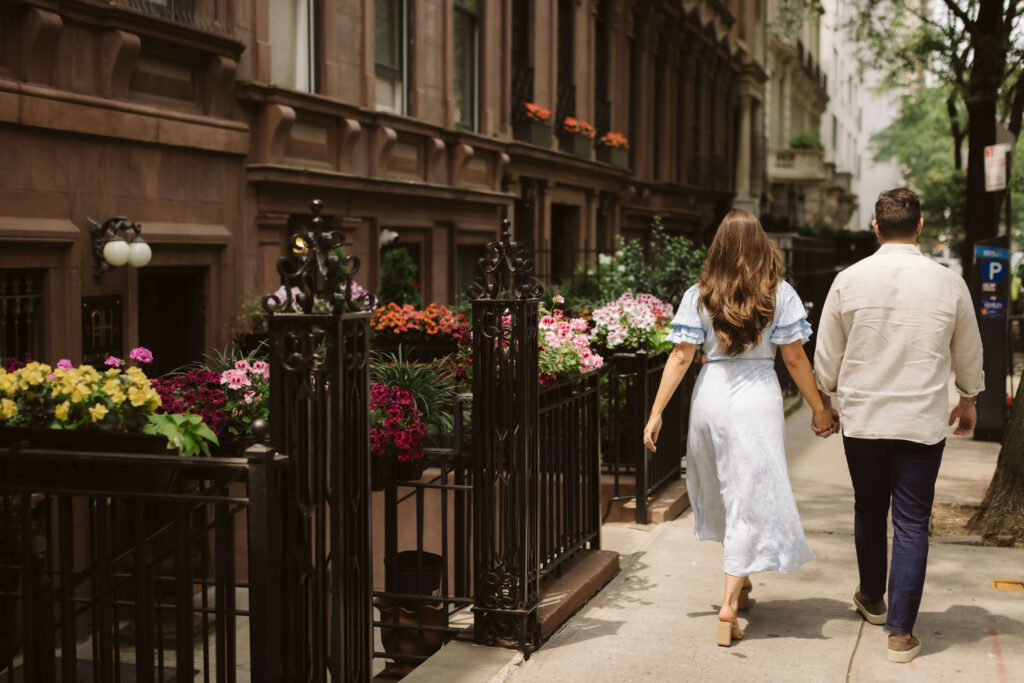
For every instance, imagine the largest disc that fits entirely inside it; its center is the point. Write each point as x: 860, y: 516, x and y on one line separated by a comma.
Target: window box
x: 533, y: 132
x: 581, y: 145
x: 616, y: 156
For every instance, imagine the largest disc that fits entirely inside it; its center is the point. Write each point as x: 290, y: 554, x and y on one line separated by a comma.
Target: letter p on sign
x: 993, y: 271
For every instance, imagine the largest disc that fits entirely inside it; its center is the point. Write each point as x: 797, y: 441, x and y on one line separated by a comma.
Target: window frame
x: 474, y: 71
x: 402, y: 72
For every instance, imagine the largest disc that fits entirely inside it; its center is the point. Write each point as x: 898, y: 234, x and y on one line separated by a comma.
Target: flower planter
x: 578, y: 144
x: 406, y: 641
x: 384, y: 471
x: 417, y: 352
x: 533, y: 132
x: 90, y: 440
x: 616, y: 156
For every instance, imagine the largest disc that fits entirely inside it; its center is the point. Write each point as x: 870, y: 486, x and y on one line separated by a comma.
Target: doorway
x: 172, y: 316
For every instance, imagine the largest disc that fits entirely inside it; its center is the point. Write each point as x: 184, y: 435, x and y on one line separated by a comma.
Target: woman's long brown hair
x: 737, y: 287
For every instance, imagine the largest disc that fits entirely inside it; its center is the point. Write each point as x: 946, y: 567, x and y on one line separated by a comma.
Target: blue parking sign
x: 994, y: 270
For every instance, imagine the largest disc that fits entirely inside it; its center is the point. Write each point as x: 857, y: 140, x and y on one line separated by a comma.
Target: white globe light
x: 115, y: 252
x: 139, y: 253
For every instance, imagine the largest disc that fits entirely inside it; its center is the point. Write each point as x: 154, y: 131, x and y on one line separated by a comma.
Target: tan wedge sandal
x: 744, y: 599
x: 728, y: 630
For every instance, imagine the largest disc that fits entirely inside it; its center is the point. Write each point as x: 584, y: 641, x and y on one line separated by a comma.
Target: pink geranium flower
x: 141, y: 354
x: 113, y: 362
x: 64, y: 364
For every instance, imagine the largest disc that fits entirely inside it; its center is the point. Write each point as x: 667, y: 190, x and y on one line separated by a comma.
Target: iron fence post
x: 265, y: 544
x: 642, y: 390
x: 506, y: 527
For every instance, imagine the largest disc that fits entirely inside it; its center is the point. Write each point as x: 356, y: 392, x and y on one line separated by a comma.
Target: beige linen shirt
x: 893, y: 327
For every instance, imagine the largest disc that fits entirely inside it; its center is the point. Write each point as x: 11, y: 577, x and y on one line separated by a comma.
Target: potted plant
x: 579, y: 135
x: 396, y: 436
x: 612, y: 149
x: 535, y: 128
x: 632, y: 323
x: 425, y: 334
x: 564, y: 347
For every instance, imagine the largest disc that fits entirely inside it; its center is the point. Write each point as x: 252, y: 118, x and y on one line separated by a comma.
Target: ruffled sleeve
x: 686, y: 325
x: 791, y: 319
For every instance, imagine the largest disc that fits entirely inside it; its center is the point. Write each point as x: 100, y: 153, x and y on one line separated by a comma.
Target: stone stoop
x: 669, y: 502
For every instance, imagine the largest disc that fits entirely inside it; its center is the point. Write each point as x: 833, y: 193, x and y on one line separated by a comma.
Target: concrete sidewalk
x: 656, y: 620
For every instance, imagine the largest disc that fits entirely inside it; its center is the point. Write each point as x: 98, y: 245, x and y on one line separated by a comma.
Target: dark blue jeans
x: 904, y: 472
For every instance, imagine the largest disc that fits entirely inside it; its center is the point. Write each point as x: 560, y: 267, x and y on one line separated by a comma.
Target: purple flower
x: 142, y: 355
x: 113, y: 361
x: 64, y: 364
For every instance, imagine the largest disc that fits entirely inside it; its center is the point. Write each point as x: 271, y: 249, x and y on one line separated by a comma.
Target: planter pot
x: 534, y: 132
x: 417, y: 352
x: 406, y: 641
x: 408, y: 579
x: 92, y: 441
x: 580, y: 145
x: 384, y: 471
x: 616, y: 156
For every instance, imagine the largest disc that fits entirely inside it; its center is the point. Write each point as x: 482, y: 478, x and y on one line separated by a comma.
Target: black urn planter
x: 385, y: 470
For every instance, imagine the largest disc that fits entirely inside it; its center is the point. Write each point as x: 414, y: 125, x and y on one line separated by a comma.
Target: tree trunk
x: 982, y: 216
x: 1002, y: 510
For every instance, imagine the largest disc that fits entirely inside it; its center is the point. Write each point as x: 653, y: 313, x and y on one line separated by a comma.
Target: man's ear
x: 920, y: 227
x: 874, y: 225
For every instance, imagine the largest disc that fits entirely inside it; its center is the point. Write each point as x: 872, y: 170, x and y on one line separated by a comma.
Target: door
x: 172, y: 316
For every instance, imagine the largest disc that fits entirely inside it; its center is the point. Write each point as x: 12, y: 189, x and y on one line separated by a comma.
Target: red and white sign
x: 995, y: 167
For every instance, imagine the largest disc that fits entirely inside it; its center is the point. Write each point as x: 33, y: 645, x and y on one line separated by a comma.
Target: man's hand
x: 967, y: 415
x: 651, y: 432
x: 823, y: 431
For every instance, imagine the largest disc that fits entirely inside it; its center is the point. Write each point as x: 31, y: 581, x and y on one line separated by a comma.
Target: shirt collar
x: 899, y: 249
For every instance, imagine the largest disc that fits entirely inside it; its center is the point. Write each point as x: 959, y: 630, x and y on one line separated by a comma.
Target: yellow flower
x: 8, y: 409
x: 112, y: 386
x: 8, y: 383
x: 81, y: 392
x: 117, y: 397
x: 97, y: 412
x: 113, y: 372
x: 61, y: 411
x: 137, y: 396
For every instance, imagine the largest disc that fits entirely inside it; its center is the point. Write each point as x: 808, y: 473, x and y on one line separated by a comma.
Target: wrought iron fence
x: 428, y: 587
x: 129, y: 566
x: 570, y: 469
x: 631, y: 387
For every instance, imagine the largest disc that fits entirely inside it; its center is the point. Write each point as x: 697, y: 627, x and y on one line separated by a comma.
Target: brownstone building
x: 213, y: 123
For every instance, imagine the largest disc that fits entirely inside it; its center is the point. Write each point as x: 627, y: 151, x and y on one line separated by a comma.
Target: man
x: 893, y: 327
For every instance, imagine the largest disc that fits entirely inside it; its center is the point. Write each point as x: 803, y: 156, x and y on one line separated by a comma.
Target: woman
x: 741, y: 310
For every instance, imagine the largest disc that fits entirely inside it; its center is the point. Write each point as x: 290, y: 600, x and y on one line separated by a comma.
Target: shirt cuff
x: 687, y: 334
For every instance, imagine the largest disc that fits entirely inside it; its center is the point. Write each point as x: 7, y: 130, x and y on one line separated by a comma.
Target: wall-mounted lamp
x: 387, y: 237
x: 110, y: 249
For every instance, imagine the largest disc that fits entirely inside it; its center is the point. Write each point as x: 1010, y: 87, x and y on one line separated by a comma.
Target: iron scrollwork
x: 506, y: 272
x: 311, y: 272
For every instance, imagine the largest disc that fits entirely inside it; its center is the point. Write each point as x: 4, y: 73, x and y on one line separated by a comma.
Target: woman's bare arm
x: 675, y: 369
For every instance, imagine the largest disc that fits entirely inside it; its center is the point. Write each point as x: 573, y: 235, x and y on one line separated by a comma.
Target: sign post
x: 991, y: 283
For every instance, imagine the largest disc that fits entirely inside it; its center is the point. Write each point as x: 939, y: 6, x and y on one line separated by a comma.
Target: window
x: 602, y: 105
x: 467, y: 28
x: 294, y: 46
x: 176, y: 10
x: 390, y: 28
x: 21, y: 314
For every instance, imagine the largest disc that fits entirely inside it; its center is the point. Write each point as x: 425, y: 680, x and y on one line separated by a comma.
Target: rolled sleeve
x: 965, y: 346
x: 686, y: 325
x: 831, y: 345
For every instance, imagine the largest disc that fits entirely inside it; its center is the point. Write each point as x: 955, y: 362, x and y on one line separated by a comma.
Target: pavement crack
x: 849, y: 667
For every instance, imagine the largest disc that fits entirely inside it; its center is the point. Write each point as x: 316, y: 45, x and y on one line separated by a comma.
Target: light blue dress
x: 736, y: 472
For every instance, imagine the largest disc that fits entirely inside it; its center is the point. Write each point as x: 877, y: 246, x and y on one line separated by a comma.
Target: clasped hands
x: 825, y: 423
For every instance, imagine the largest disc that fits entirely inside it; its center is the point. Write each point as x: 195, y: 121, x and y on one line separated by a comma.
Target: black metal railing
x: 131, y: 566
x: 522, y: 91
x: 428, y: 577
x: 570, y: 469
x: 631, y: 387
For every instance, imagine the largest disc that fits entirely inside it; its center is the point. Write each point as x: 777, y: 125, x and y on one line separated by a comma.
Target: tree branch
x: 960, y: 14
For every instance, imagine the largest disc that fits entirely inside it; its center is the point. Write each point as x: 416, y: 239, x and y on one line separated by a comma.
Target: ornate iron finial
x: 507, y: 274
x: 312, y: 272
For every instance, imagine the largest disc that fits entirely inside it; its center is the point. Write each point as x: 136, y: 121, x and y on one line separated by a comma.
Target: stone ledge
x: 463, y: 662
x: 582, y: 577
x: 668, y: 503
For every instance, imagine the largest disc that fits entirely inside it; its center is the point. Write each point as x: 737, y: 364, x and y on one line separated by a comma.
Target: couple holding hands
x: 893, y: 328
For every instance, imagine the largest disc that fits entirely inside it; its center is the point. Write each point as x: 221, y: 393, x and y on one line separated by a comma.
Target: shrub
x: 398, y: 279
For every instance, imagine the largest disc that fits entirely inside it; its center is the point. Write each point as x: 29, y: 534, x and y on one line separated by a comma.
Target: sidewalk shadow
x: 804, y: 619
x: 961, y: 625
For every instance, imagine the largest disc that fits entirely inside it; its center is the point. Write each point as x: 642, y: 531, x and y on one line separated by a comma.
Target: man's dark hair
x: 897, y: 212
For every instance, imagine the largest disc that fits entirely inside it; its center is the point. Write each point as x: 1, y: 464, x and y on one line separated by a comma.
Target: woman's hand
x: 651, y: 432
x: 825, y: 422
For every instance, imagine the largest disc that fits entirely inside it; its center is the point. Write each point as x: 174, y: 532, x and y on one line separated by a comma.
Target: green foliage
x: 225, y: 358
x: 185, y: 432
x: 806, y: 139
x: 664, y: 265
x: 398, y: 279
x: 431, y: 385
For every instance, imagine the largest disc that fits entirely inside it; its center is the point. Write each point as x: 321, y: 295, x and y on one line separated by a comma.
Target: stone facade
x: 213, y: 123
